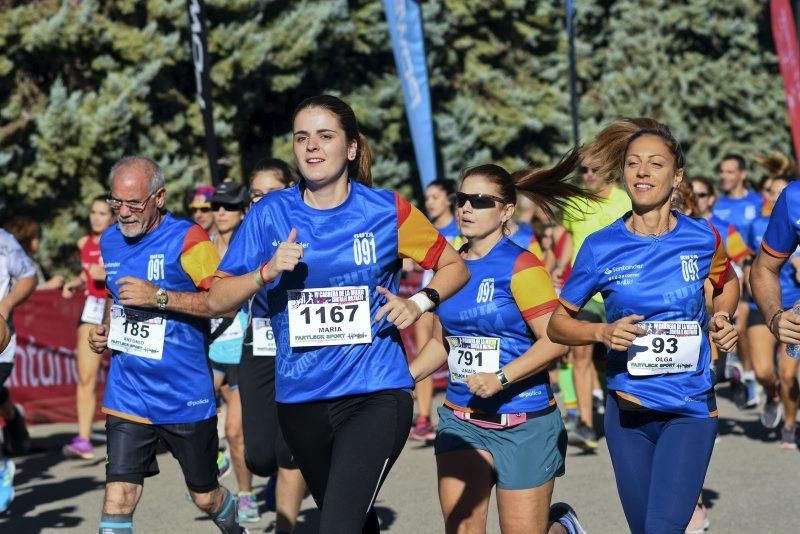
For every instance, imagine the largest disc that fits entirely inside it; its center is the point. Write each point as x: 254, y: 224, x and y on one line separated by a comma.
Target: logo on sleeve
x: 485, y: 290
x: 364, y: 251
x: 155, y: 267
x: 689, y: 268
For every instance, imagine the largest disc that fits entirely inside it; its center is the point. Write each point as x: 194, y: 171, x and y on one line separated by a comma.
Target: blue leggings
x: 660, y: 462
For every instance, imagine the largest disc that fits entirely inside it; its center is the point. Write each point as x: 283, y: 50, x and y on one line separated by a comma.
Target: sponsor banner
x: 784, y: 34
x: 45, y: 373
x: 405, y: 27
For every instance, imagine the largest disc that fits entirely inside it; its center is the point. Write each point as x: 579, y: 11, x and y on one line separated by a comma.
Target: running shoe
x: 423, y: 430
x: 6, y: 483
x: 789, y: 437
x: 772, y: 414
x: 699, y: 522
x: 79, y: 448
x: 248, y: 508
x: 223, y: 464
x: 563, y: 513
x: 583, y: 436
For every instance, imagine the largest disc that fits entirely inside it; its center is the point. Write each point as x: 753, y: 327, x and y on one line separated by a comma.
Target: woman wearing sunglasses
x: 500, y: 423
x: 650, y: 265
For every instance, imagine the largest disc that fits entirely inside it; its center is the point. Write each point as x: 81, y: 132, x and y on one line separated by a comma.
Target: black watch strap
x: 433, y: 295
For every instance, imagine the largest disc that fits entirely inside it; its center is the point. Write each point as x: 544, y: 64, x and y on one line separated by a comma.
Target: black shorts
x: 755, y: 318
x: 229, y: 371
x: 132, y: 448
x: 5, y: 372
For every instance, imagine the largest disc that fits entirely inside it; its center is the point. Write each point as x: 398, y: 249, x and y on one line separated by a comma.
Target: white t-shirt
x: 14, y: 265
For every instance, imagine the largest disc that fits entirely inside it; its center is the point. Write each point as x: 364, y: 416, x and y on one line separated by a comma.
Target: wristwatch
x: 501, y: 376
x: 161, y: 298
x: 433, y: 295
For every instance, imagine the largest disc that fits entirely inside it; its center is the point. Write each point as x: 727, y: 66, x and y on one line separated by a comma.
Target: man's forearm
x: 194, y: 303
x: 766, y: 288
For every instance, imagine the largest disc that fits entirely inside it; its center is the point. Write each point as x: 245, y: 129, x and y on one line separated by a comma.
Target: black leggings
x: 265, y: 450
x: 345, y: 448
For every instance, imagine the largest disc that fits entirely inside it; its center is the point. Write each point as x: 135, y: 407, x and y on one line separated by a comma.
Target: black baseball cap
x: 230, y: 194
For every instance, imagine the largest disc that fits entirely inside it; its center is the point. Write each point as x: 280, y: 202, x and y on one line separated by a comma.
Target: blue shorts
x: 525, y: 456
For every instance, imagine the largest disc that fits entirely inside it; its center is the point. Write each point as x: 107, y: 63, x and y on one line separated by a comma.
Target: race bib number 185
x: 329, y: 316
x: 137, y: 332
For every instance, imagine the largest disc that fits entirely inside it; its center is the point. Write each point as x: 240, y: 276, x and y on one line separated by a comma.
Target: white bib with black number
x: 667, y: 347
x: 470, y: 355
x: 137, y: 332
x: 93, y: 310
x: 263, y: 338
x: 329, y: 316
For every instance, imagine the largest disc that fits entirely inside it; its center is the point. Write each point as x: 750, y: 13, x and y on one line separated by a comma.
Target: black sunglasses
x: 702, y: 195
x: 227, y: 207
x: 201, y: 210
x: 478, y: 201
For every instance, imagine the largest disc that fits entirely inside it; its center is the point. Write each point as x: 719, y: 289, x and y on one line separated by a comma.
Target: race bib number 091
x: 667, y: 347
x: 470, y: 355
x: 137, y: 332
x: 329, y: 316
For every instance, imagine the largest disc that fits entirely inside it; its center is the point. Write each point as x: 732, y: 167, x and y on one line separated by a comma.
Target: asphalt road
x: 752, y: 486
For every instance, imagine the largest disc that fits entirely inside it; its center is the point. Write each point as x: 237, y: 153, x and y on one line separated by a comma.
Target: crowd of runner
x: 562, y: 310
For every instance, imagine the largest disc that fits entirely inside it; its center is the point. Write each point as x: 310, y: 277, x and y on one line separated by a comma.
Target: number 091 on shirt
x: 329, y: 316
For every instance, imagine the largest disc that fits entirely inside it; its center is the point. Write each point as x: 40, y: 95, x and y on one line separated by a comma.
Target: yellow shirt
x: 584, y: 217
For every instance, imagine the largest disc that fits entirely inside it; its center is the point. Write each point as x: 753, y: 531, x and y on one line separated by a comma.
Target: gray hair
x: 156, y: 173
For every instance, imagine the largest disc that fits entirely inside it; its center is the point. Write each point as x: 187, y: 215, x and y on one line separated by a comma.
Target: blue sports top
x: 178, y: 256
x: 790, y: 287
x: 450, y: 231
x: 782, y: 236
x: 661, y: 279
x: 360, y: 242
x: 508, y: 287
x: 739, y: 212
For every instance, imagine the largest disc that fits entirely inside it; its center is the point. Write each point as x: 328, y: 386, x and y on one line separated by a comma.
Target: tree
x: 83, y: 83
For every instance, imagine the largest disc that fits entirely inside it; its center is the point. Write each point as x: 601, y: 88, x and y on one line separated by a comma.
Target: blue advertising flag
x: 405, y: 26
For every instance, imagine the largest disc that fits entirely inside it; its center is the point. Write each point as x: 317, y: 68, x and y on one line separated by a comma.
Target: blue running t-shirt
x: 358, y: 243
x: 739, y: 212
x: 782, y: 237
x: 790, y: 286
x: 507, y: 287
x: 662, y: 279
x: 178, y: 256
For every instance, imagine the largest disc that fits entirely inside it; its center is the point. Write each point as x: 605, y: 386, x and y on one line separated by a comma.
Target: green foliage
x: 83, y: 83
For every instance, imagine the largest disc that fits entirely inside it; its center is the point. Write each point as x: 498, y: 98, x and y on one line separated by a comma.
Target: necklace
x: 653, y: 235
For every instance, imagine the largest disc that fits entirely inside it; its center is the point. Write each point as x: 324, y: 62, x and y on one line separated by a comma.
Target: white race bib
x: 137, y: 332
x: 668, y: 347
x: 263, y: 338
x: 234, y: 330
x: 329, y: 316
x: 470, y: 355
x: 93, y: 310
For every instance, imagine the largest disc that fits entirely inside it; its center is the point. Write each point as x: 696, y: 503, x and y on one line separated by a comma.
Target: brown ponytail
x: 359, y: 168
x: 549, y: 188
x: 778, y: 165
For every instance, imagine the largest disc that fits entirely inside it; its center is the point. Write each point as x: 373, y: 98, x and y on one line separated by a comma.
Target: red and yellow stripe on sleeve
x: 720, y: 264
x: 735, y: 246
x: 532, y: 287
x: 199, y: 257
x: 535, y: 248
x: 417, y: 238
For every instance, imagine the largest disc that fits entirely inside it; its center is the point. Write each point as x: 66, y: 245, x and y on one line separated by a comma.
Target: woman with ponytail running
x: 329, y: 251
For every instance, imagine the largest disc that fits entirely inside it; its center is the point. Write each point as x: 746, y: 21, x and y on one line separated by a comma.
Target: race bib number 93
x: 667, y: 347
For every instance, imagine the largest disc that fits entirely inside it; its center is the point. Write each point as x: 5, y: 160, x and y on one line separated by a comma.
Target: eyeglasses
x: 702, y: 195
x: 478, y: 201
x: 225, y: 207
x: 584, y: 170
x: 136, y: 206
x: 204, y: 209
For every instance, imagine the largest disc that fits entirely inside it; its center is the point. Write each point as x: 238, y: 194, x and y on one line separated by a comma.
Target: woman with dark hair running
x: 329, y: 251
x: 500, y: 423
